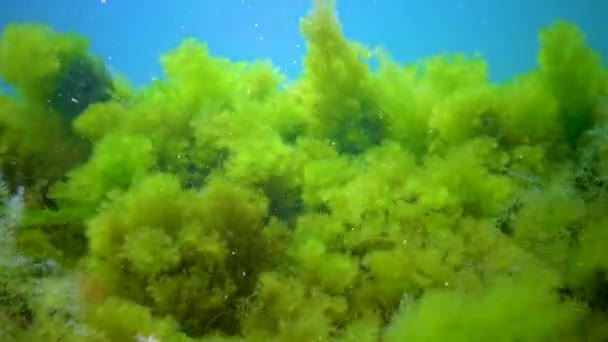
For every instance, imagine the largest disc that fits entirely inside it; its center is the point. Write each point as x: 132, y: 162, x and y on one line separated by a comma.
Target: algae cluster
x: 416, y: 202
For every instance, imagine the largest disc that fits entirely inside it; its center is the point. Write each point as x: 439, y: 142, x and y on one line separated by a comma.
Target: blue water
x: 130, y: 35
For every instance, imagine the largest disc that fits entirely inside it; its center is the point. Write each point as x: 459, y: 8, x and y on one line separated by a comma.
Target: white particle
x: 150, y: 338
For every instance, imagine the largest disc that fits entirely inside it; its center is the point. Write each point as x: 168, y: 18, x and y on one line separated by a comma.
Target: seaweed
x: 418, y: 202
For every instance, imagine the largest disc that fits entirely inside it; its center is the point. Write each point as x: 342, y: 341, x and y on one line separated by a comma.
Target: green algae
x: 412, y: 203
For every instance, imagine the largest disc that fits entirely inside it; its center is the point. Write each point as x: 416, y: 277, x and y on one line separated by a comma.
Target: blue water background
x: 130, y: 35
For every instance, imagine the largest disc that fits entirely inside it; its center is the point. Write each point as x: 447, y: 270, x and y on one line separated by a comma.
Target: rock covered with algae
x: 414, y: 202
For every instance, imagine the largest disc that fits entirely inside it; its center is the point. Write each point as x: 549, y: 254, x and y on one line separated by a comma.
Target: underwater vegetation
x: 416, y: 202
